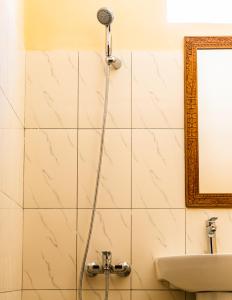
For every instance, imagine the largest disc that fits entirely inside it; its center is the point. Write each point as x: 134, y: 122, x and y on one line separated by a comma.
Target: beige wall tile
x: 51, y: 168
x: 158, y: 168
x: 12, y: 75
x: 11, y: 166
x: 51, y: 172
x: 155, y: 232
x: 15, y: 79
x: 49, y: 249
x: 49, y: 295
x: 158, y: 295
x: 115, y: 181
x: 8, y: 118
x: 92, y: 91
x: 157, y: 89
x: 11, y: 147
x: 113, y: 295
x: 112, y: 231
x: 11, y: 296
x: 196, y: 235
x: 51, y: 89
x: 12, y: 61
x: 11, y: 249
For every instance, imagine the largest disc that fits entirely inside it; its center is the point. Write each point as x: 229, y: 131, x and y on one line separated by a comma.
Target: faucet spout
x: 211, y: 233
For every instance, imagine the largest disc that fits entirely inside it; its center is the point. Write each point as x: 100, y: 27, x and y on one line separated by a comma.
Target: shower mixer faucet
x: 211, y: 233
x: 121, y: 269
x: 105, y: 17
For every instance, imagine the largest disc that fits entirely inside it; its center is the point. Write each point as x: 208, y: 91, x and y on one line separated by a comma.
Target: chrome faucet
x: 211, y: 232
x: 106, y: 260
x: 121, y: 269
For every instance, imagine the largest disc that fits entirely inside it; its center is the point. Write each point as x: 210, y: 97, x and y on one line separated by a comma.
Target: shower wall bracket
x: 121, y: 269
x: 114, y: 61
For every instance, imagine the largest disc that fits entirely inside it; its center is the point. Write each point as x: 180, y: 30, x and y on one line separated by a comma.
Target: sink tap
x: 211, y: 232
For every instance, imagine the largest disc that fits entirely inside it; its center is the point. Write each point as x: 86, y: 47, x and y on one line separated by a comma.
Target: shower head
x: 105, y: 16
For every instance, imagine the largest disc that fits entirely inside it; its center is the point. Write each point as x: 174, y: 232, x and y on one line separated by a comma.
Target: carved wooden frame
x: 192, y: 195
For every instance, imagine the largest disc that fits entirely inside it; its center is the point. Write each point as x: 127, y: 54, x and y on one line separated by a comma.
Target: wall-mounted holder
x: 121, y: 269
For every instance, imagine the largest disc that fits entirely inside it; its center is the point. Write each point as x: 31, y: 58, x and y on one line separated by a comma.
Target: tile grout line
x: 100, y: 289
x: 23, y: 214
x: 107, y: 208
x: 10, y: 291
x: 25, y: 89
x: 131, y: 185
x: 77, y: 178
x: 107, y: 128
x: 24, y: 153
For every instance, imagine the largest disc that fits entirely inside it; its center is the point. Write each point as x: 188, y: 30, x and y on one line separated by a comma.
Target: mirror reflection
x: 214, y: 81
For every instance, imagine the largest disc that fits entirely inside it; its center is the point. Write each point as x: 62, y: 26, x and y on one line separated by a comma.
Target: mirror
x: 208, y: 121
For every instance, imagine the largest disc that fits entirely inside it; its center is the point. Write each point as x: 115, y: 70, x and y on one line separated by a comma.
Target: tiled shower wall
x: 12, y: 66
x: 141, y: 210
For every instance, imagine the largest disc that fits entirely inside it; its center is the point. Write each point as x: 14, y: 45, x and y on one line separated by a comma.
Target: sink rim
x: 185, y: 275
x: 194, y: 255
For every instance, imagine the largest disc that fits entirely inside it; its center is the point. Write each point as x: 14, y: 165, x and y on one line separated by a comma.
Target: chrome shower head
x: 105, y: 16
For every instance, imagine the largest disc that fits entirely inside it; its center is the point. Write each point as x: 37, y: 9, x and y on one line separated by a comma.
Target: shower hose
x: 82, y: 271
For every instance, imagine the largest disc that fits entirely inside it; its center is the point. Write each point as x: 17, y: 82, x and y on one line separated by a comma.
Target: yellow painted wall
x: 139, y: 24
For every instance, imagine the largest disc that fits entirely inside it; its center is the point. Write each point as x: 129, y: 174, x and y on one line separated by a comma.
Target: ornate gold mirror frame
x: 193, y: 197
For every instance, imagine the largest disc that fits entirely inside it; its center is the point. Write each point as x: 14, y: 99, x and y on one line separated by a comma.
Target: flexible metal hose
x: 82, y: 271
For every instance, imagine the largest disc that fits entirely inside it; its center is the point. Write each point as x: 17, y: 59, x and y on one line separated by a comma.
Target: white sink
x: 197, y: 273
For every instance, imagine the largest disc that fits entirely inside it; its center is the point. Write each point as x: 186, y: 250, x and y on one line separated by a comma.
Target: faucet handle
x: 211, y: 221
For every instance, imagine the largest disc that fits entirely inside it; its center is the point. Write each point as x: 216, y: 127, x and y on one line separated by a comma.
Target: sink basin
x: 197, y: 273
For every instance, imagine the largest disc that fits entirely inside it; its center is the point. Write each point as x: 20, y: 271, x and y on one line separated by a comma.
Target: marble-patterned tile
x: 49, y: 249
x: 8, y: 117
x: 12, y: 62
x: 158, y: 168
x: 92, y: 91
x: 155, y: 233
x: 111, y: 232
x: 13, y: 84
x: 115, y: 180
x: 196, y: 234
x: 49, y: 295
x: 99, y: 295
x: 50, y: 168
x: 51, y: 89
x: 15, y: 295
x: 158, y: 295
x: 11, y: 166
x: 157, y: 89
x: 11, y: 221
x: 15, y: 57
x: 11, y: 149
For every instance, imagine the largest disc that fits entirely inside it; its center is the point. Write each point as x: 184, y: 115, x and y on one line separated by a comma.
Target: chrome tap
x: 106, y: 260
x: 121, y: 269
x: 211, y: 232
